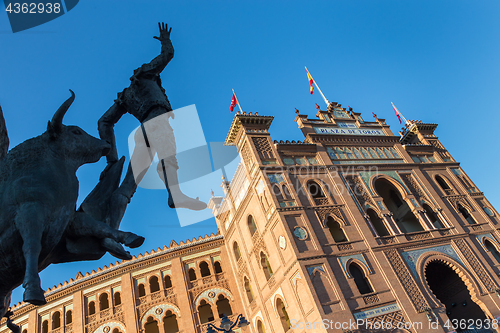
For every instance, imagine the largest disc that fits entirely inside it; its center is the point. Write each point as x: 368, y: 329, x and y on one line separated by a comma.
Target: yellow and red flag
x: 309, y: 77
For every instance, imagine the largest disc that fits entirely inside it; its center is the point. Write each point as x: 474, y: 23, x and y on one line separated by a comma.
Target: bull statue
x: 39, y: 222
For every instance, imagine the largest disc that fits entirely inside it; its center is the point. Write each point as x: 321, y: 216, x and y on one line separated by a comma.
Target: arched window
x: 116, y: 330
x: 266, y: 267
x: 103, y: 301
x: 260, y: 327
x: 286, y: 192
x: 315, y: 190
x: 251, y: 225
x: 217, y: 267
x: 277, y: 192
x: 377, y: 223
x: 154, y: 285
x: 248, y: 290
x: 118, y: 298
x: 151, y: 326
x: 69, y: 317
x: 443, y: 184
x: 91, y: 308
x: 223, y: 306
x: 432, y: 216
x: 56, y: 320
x: 142, y: 290
x: 170, y: 324
x: 45, y: 326
x: 25, y: 331
x: 192, y: 274
x: 403, y: 214
x: 205, y: 312
x: 236, y: 250
x: 360, y: 279
x: 336, y: 231
x: 285, y: 320
x: 492, y: 248
x: 167, y: 281
x: 204, y: 269
x: 465, y: 213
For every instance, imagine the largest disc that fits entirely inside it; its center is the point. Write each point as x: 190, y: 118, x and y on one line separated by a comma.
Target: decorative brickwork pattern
x: 334, y: 212
x: 371, y: 299
x: 475, y: 264
x: 404, y: 276
x: 344, y: 247
x: 412, y: 184
x: 391, y: 318
x: 359, y: 190
x: 263, y: 147
x: 245, y: 154
x: 423, y: 235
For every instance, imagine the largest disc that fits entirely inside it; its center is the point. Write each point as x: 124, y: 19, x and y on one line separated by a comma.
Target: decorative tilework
x: 366, y: 175
x: 480, y: 238
x: 276, y: 178
x: 311, y: 269
x: 345, y: 259
x: 211, y: 294
x: 411, y: 257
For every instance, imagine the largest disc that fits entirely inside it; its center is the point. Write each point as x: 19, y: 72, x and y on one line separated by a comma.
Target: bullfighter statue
x: 146, y: 100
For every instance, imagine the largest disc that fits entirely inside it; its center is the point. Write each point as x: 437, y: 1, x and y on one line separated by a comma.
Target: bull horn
x: 59, y: 115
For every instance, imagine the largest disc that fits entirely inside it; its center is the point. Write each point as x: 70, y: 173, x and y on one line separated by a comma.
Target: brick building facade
x: 354, y: 225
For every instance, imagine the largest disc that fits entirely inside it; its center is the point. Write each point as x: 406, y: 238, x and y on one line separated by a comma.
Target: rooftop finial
x: 317, y: 106
x: 212, y: 192
x: 297, y: 111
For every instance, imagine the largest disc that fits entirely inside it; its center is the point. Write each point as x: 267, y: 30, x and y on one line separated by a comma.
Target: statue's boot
x: 177, y: 199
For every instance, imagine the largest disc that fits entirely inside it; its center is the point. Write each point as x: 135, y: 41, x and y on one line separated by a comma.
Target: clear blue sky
x: 436, y: 60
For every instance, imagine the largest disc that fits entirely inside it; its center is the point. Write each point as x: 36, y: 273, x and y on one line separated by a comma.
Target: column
x: 128, y: 304
x: 78, y: 312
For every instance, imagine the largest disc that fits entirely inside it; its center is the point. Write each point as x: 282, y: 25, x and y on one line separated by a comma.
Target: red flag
x: 397, y: 112
x: 234, y: 101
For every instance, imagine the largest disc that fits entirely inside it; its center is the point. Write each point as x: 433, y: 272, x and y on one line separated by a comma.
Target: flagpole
x: 237, y: 101
x: 399, y: 113
x: 324, y: 98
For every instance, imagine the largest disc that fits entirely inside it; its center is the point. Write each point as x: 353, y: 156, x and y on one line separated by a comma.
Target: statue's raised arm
x: 157, y: 65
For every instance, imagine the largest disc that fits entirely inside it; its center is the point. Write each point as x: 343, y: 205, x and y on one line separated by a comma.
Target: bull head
x: 54, y: 126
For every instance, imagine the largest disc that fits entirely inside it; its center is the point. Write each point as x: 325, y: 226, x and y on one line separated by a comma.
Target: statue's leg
x: 139, y: 164
x: 29, y: 222
x: 164, y: 142
x: 83, y: 225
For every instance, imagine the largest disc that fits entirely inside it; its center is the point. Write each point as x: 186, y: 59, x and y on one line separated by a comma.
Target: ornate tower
x: 355, y: 228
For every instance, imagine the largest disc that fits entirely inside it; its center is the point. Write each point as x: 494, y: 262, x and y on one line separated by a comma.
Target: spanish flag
x: 309, y: 77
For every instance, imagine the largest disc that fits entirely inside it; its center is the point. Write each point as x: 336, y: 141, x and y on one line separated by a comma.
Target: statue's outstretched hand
x: 164, y: 32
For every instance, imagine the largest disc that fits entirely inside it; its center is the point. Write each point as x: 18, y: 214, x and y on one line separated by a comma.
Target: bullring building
x: 353, y: 229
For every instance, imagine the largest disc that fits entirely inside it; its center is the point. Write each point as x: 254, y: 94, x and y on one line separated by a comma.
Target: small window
x: 223, y: 306
x: 260, y: 327
x: 45, y: 326
x: 433, y: 217
x: 142, y: 290
x: 492, y: 248
x: 377, y: 223
x: 236, y: 250
x: 205, y: 312
x: 359, y: 279
x: 56, y: 320
x: 204, y: 269
x: 69, y: 317
x: 118, y: 299
x: 192, y: 274
x: 170, y: 324
x: 217, y: 267
x: 251, y: 225
x: 248, y: 290
x: 284, y: 318
x: 266, y: 267
x: 168, y: 282
x: 154, y: 285
x: 103, y: 301
x: 91, y: 308
x: 465, y: 213
x: 315, y: 190
x: 335, y: 230
x: 442, y: 183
